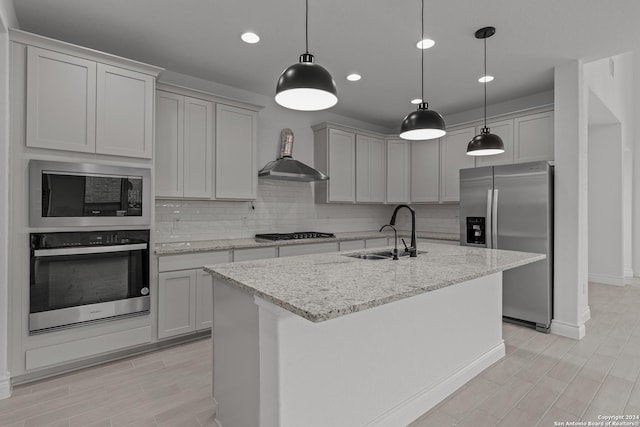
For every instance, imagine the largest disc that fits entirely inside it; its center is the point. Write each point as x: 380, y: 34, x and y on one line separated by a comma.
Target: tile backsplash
x: 282, y: 207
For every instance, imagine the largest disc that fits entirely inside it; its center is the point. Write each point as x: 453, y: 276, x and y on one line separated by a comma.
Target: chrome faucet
x: 395, y: 235
x: 413, y: 250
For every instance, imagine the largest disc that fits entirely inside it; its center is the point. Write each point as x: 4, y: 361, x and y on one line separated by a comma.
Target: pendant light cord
x: 306, y: 27
x: 485, y: 82
x: 422, y: 53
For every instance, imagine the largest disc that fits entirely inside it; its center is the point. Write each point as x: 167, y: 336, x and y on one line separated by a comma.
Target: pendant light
x: 306, y: 86
x: 423, y: 123
x: 487, y: 143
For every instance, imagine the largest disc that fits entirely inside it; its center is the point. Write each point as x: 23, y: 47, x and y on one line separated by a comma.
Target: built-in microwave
x: 87, y: 194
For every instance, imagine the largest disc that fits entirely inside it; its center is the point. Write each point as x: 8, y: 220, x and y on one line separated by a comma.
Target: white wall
x: 571, y: 220
x: 609, y: 81
x: 636, y: 166
x: 7, y: 20
x: 605, y: 203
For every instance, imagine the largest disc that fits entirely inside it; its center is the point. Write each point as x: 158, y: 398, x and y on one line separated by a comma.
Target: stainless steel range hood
x: 288, y: 169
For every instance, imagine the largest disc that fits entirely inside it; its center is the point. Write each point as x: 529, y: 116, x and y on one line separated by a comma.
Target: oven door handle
x: 89, y: 250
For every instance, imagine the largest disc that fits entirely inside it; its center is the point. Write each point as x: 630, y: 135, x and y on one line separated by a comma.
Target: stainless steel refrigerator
x: 511, y: 207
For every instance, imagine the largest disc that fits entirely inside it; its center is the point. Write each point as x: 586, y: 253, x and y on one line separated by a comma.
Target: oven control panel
x: 87, y: 238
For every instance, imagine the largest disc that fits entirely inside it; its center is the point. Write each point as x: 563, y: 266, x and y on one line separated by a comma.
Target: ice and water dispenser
x: 476, y: 230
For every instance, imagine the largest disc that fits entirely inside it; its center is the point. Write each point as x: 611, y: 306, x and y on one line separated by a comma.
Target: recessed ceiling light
x: 250, y: 38
x: 425, y: 44
x: 354, y: 77
x: 485, y: 79
x: 416, y: 101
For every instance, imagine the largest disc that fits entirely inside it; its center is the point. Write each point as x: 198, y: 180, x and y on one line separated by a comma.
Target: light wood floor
x: 543, y: 379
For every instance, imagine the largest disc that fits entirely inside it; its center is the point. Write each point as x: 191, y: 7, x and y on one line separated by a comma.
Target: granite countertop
x: 250, y: 242
x: 326, y: 286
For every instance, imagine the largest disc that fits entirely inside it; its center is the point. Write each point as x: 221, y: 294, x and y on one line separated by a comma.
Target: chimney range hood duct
x: 288, y: 169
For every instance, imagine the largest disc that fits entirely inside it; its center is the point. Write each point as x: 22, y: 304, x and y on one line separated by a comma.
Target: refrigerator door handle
x: 494, y: 219
x: 488, y: 224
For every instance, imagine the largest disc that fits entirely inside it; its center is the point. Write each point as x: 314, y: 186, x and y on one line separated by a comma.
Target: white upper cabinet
x: 204, y: 150
x: 61, y: 101
x: 425, y: 171
x: 236, y: 153
x: 169, y: 162
x: 534, y: 137
x: 86, y: 101
x: 124, y: 112
x: 398, y: 173
x: 198, y: 148
x: 453, y: 157
x: 504, y: 129
x: 335, y: 155
x: 370, y: 169
x: 184, y: 146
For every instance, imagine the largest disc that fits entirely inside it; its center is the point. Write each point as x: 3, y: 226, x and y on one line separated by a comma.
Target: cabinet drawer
x: 253, y: 254
x: 194, y: 260
x: 313, y: 248
x: 352, y: 245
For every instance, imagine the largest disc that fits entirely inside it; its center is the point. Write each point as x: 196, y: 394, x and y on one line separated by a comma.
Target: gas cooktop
x: 294, y: 236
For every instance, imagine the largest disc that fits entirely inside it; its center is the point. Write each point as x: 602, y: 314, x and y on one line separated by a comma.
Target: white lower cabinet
x: 185, y: 302
x: 204, y: 300
x: 177, y: 302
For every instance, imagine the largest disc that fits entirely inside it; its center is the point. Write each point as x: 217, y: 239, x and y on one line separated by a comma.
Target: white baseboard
x: 606, y: 279
x: 412, y: 408
x: 5, y: 388
x: 567, y: 330
x: 586, y: 314
x: 628, y: 272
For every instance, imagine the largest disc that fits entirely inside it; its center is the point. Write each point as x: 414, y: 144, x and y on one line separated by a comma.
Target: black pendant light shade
x: 306, y: 86
x: 422, y: 124
x: 487, y: 143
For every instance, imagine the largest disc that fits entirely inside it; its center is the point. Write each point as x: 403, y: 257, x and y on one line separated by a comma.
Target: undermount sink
x: 377, y: 255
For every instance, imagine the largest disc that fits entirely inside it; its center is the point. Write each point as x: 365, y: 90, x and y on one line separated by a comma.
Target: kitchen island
x: 332, y: 340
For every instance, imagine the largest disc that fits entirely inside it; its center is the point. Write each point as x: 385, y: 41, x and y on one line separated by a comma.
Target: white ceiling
x: 373, y: 37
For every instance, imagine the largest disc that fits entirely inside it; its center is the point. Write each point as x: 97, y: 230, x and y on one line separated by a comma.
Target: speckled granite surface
x: 325, y: 286
x: 226, y: 244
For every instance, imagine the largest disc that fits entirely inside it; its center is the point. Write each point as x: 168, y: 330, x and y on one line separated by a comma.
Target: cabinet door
x: 453, y: 157
x: 204, y: 300
x: 236, y: 165
x: 398, y: 171
x: 533, y: 137
x: 61, y: 101
x: 504, y: 129
x: 124, y: 112
x: 169, y: 144
x: 176, y: 302
x: 370, y: 169
x: 198, y: 148
x: 425, y: 171
x: 341, y: 167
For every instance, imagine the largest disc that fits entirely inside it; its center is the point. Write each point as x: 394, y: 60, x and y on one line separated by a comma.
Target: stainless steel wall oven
x: 87, y: 194
x: 79, y: 277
